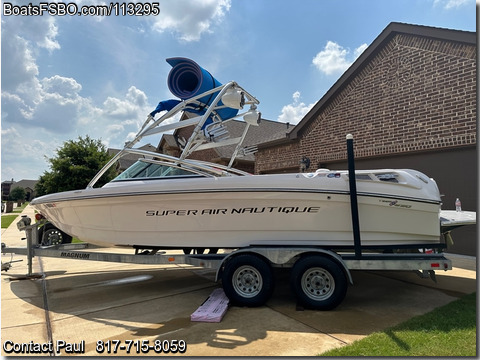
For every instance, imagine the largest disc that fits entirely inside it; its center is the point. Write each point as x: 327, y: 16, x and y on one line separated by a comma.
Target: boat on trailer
x: 162, y: 201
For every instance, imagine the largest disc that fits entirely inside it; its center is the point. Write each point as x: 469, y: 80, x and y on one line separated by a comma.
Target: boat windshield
x: 149, y: 170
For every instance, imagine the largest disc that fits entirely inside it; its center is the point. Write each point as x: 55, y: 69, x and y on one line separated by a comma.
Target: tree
x: 74, y: 165
x: 17, y: 194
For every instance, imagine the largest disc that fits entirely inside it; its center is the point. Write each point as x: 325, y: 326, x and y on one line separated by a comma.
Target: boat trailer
x: 319, y: 276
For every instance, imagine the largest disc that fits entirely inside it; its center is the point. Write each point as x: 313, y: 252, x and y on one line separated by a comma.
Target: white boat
x: 396, y: 207
x: 168, y: 202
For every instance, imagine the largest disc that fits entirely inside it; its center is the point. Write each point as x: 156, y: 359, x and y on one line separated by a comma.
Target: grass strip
x: 7, y: 220
x: 20, y: 209
x: 449, y: 330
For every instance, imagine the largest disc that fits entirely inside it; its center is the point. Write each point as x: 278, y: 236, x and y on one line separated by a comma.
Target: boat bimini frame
x: 209, y: 132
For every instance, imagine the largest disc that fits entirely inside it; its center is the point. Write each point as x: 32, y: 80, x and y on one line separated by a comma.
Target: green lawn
x: 446, y: 331
x: 7, y: 220
x: 20, y: 208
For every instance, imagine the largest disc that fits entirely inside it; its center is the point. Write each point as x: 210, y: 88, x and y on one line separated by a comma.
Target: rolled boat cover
x: 187, y: 79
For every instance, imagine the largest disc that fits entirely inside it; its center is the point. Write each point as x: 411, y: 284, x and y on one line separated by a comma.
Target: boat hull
x: 243, y: 216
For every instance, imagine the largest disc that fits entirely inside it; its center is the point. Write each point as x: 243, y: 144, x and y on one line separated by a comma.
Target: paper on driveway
x: 213, y: 309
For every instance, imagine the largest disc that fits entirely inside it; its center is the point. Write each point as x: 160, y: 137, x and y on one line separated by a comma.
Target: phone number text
x: 72, y: 9
x: 141, y: 346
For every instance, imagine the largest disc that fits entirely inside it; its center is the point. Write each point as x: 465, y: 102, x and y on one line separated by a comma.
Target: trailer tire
x: 248, y: 280
x: 318, y: 282
x: 53, y: 236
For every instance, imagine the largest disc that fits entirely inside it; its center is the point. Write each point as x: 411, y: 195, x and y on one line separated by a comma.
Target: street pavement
x: 98, y: 308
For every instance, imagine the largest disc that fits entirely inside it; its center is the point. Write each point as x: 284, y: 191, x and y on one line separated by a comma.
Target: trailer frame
x: 240, y: 269
x: 319, y: 276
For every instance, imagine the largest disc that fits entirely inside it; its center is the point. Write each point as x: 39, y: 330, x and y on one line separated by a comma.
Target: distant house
x: 267, y: 130
x: 6, y: 187
x: 27, y: 185
x: 126, y: 161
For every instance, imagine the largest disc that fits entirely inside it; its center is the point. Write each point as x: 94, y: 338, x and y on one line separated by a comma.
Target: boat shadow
x: 157, y: 303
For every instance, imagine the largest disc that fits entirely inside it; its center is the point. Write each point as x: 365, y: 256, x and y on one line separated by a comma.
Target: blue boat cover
x: 187, y: 79
x: 165, y: 105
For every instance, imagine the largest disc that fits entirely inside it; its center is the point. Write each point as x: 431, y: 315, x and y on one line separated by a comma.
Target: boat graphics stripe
x: 236, y: 190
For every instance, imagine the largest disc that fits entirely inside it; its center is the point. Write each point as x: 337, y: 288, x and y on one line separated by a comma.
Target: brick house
x: 129, y: 159
x: 267, y: 130
x: 6, y: 187
x: 27, y: 185
x: 410, y: 102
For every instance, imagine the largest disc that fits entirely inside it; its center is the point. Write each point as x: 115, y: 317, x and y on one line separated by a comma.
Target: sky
x: 68, y: 76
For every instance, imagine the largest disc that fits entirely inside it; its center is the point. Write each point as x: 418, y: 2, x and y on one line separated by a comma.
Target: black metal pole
x: 353, y: 197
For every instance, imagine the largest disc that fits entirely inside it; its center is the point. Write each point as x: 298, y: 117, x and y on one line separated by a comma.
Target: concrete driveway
x: 88, y: 304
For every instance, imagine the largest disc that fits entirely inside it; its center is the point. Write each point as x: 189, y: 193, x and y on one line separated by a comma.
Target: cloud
x: 293, y: 113
x: 66, y: 87
x: 50, y: 103
x: 24, y: 95
x: 359, y: 50
x: 54, y: 103
x: 334, y: 59
x: 19, y: 67
x: 451, y: 4
x: 126, y: 108
x: 189, y: 25
x: 120, y: 118
x: 47, y: 38
x: 63, y: 114
x: 39, y: 114
x: 23, y: 146
x: 41, y: 31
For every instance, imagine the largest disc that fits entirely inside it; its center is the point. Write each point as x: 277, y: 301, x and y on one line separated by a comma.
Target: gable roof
x: 266, y: 131
x: 386, y: 35
x: 127, y: 160
x: 169, y: 139
x: 25, y: 183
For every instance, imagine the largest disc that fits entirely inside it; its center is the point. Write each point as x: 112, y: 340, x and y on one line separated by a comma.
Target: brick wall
x: 279, y: 158
x: 211, y: 155
x: 416, y: 94
x: 204, y: 155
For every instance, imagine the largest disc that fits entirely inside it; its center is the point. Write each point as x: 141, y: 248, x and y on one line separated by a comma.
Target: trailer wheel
x: 318, y: 283
x: 247, y: 280
x: 54, y: 236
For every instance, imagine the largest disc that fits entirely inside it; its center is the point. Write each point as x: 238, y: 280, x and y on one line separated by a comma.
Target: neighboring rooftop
x: 125, y: 161
x: 266, y: 131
